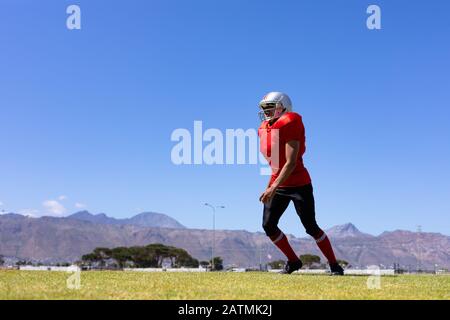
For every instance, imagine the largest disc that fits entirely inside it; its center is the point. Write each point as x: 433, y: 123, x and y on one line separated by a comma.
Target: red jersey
x: 273, y: 139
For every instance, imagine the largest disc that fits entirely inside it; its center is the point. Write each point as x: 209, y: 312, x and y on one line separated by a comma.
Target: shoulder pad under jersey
x: 287, y: 118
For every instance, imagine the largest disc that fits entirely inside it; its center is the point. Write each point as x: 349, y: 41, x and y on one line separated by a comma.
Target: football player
x: 282, y: 142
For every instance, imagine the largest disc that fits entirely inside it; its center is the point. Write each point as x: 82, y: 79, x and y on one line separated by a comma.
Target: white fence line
x: 165, y: 269
x: 355, y: 272
x: 47, y: 268
x: 383, y: 272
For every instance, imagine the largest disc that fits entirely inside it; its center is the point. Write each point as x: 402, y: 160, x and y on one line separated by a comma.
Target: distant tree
x: 277, y: 264
x: 218, y: 263
x: 156, y: 253
x: 309, y: 260
x: 2, y: 261
x: 23, y: 263
x: 88, y: 258
x: 122, y: 255
x: 193, y: 263
x: 150, y: 256
x: 99, y: 256
x: 181, y: 258
x: 102, y: 254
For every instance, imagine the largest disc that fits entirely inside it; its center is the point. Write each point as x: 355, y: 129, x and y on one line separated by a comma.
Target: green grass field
x: 165, y: 285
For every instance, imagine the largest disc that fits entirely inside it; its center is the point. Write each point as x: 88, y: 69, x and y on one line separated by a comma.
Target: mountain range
x: 145, y: 219
x: 50, y: 239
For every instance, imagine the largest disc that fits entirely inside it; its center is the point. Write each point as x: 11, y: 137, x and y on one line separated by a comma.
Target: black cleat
x: 292, y: 266
x: 336, y: 270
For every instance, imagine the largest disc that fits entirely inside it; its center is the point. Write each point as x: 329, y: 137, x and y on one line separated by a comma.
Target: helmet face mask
x: 270, y: 111
x: 274, y: 105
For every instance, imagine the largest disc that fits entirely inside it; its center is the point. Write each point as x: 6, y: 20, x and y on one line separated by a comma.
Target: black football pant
x: 303, y: 199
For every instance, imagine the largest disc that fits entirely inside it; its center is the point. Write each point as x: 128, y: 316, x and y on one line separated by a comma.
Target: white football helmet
x: 274, y: 105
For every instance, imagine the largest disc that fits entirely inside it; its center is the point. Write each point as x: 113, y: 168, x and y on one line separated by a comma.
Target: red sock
x: 325, y: 246
x: 282, y: 243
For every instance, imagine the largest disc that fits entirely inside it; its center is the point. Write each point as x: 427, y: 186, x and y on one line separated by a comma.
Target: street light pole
x: 214, y: 231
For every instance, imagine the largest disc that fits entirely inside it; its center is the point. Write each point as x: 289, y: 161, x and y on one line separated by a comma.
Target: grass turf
x: 220, y: 285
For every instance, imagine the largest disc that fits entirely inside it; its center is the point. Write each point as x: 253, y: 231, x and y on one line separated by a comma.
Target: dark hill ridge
x: 49, y: 239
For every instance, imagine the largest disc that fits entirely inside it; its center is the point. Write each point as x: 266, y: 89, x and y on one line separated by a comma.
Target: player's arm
x: 292, y: 149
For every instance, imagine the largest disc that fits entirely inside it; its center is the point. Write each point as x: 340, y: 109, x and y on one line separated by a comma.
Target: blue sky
x: 88, y: 114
